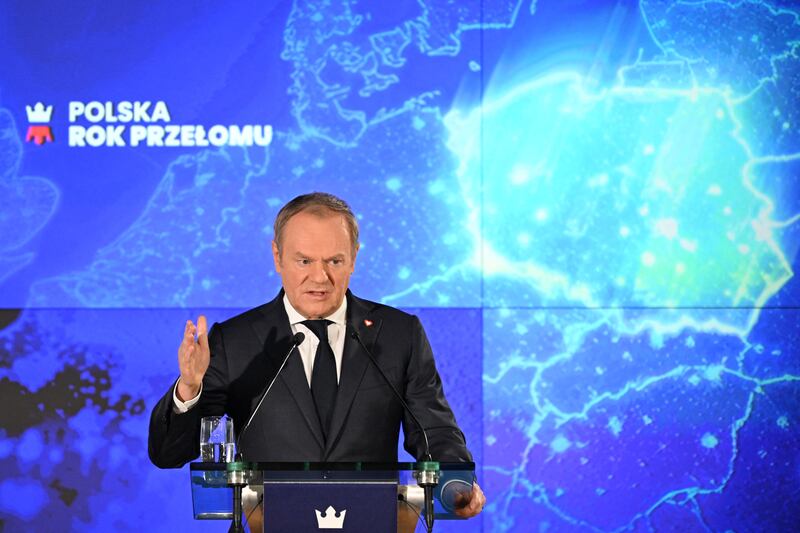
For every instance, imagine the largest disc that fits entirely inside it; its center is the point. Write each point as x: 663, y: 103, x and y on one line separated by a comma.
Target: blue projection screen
x: 592, y: 206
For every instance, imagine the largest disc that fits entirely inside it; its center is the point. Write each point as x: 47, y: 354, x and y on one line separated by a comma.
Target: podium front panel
x: 347, y: 506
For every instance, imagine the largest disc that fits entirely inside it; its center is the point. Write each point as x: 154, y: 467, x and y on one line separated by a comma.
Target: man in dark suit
x: 329, y: 403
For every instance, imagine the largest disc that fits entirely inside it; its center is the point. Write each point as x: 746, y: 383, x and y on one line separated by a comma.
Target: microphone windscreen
x: 298, y: 338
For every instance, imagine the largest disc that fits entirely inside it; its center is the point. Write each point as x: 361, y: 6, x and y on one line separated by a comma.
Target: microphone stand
x: 237, y: 479
x: 237, y: 471
x: 427, y: 478
x: 428, y: 475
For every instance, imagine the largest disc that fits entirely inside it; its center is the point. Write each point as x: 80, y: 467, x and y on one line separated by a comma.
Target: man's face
x: 315, y: 262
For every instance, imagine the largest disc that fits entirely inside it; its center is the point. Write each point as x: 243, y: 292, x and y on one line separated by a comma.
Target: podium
x: 313, y: 497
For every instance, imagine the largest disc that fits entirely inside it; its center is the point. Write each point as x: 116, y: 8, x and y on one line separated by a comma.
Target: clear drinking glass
x: 217, y: 444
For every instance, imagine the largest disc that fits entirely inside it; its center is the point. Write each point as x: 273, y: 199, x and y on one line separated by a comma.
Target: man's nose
x: 319, y: 272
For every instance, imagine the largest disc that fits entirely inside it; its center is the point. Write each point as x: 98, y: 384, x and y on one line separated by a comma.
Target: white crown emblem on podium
x: 39, y: 114
x: 330, y: 520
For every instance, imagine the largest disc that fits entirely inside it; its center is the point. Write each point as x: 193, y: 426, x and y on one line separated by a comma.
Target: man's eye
x: 336, y: 261
x: 305, y: 261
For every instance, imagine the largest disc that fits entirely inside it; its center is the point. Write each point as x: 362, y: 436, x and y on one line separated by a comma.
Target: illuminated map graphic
x: 26, y: 203
x: 592, y: 206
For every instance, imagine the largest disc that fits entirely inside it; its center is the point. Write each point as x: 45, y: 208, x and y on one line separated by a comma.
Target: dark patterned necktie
x: 323, y: 377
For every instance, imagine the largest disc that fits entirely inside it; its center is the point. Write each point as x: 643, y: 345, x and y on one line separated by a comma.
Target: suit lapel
x: 275, y: 334
x: 354, y: 363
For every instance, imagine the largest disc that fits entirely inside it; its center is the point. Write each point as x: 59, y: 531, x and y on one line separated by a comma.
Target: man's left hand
x: 471, y: 504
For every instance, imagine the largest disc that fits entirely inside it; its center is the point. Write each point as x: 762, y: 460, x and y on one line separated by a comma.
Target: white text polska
x: 126, y: 123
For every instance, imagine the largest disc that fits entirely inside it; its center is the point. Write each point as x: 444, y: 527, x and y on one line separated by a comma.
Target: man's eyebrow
x: 300, y: 255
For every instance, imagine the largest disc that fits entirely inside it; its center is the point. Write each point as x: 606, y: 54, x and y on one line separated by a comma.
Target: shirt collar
x: 337, y: 317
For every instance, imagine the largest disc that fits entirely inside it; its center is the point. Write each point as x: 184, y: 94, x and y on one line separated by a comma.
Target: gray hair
x: 319, y: 204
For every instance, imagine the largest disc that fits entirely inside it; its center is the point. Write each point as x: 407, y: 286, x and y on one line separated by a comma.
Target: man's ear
x: 276, y: 257
x: 355, y: 254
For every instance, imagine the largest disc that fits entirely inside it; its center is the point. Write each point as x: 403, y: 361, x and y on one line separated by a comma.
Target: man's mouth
x: 317, y: 294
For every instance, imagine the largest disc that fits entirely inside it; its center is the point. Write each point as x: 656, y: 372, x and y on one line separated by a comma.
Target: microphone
x: 296, y: 341
x: 428, y: 476
x: 355, y: 336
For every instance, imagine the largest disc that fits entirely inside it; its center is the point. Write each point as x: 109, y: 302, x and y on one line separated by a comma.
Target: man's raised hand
x: 193, y: 358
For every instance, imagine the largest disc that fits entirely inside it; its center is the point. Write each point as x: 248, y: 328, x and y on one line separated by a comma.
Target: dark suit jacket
x: 246, y: 352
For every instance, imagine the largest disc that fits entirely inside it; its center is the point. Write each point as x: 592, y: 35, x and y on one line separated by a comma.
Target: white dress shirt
x: 307, y: 349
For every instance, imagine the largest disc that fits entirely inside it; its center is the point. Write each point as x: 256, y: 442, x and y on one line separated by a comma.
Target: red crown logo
x: 39, y: 130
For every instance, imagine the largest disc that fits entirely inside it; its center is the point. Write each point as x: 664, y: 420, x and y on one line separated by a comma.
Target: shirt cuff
x: 182, y: 407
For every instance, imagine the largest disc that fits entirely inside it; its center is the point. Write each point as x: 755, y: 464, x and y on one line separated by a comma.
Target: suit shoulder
x: 386, y: 312
x: 244, y: 319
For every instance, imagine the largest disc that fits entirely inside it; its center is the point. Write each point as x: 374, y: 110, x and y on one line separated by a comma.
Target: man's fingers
x: 188, y: 333
x: 186, y: 353
x: 193, y: 355
x: 202, y: 331
x: 478, y: 498
x: 474, y: 504
x: 461, y: 500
